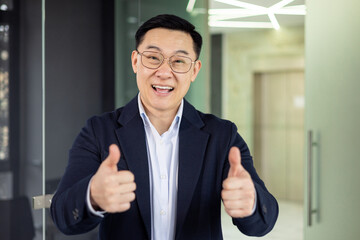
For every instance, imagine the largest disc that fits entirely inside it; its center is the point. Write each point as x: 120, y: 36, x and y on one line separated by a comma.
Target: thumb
x: 113, y: 158
x: 235, y: 162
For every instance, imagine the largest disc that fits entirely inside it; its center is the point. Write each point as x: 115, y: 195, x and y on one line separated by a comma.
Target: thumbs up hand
x: 238, y: 192
x: 112, y: 190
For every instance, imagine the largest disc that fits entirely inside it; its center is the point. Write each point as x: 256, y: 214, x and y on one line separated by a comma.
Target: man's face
x: 161, y: 89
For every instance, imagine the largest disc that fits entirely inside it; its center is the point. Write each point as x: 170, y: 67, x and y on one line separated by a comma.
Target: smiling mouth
x: 162, y: 89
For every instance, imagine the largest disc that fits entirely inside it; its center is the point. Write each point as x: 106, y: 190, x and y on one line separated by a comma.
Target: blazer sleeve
x: 68, y: 207
x: 263, y: 219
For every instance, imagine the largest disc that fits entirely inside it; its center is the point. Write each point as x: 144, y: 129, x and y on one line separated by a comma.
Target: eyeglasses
x: 178, y: 64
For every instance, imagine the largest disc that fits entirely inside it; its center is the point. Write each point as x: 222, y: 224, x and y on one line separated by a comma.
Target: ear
x: 134, y: 60
x: 195, y: 70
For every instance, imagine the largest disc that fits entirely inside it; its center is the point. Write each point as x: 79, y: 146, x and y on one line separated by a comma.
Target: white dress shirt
x: 163, y: 158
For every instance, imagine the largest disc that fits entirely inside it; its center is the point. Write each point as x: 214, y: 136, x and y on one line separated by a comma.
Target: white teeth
x: 162, y: 87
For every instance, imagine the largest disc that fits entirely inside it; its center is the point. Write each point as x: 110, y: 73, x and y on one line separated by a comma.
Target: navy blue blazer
x: 204, y: 143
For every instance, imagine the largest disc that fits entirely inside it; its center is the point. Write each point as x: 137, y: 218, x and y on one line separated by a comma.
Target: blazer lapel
x: 132, y: 141
x: 192, y: 146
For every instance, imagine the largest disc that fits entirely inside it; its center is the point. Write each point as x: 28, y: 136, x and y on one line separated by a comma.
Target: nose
x: 164, y: 70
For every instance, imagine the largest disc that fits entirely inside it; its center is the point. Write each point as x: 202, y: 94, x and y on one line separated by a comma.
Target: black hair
x: 172, y: 22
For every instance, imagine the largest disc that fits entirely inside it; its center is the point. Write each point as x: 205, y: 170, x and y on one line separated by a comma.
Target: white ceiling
x: 284, y: 20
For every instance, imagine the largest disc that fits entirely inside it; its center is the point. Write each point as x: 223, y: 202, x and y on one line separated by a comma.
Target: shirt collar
x: 146, y: 120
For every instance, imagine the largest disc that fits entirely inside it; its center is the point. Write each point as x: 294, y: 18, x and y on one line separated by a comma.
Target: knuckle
x: 250, y: 203
x: 231, y: 212
x: 223, y: 194
x: 129, y: 175
x: 132, y: 196
x: 132, y: 176
x: 124, y: 207
x: 247, y: 212
x: 131, y: 187
x: 126, y: 176
x: 226, y: 185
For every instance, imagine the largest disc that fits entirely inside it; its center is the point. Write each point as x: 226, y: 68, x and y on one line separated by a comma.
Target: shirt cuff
x: 254, y: 208
x: 89, y: 206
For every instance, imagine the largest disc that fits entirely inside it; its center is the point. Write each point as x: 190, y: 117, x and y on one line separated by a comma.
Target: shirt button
x: 162, y: 212
x: 163, y: 176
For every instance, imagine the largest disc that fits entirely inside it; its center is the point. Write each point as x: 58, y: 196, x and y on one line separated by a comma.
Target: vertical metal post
x: 43, y: 109
x: 309, y: 178
x: 310, y: 210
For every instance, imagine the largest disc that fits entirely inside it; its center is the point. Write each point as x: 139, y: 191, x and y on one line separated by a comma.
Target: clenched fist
x: 238, y: 192
x: 112, y: 190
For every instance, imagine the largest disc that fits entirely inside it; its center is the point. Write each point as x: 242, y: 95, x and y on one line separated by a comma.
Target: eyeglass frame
x: 141, y: 55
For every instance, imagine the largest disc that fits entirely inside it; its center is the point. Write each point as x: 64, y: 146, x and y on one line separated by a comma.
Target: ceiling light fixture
x: 274, y: 21
x: 220, y: 17
x: 238, y: 24
x: 240, y: 12
x: 241, y: 4
x: 190, y: 6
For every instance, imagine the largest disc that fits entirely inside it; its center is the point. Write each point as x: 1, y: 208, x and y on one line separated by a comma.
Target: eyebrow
x: 159, y: 49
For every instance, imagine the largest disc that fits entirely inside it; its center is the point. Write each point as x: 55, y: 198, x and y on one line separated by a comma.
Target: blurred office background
x: 62, y: 62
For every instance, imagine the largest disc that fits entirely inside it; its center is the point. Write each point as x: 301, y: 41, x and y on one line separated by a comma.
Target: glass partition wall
x: 20, y: 165
x: 62, y: 62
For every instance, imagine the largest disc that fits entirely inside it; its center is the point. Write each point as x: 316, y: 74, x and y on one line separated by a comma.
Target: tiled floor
x: 289, y: 225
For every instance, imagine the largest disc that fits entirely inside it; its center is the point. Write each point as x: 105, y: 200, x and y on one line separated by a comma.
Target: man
x: 157, y: 168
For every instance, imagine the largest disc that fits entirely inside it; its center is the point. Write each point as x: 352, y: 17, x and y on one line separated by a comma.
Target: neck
x: 161, y: 121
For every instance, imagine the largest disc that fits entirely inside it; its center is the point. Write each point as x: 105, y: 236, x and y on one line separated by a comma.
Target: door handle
x: 42, y: 201
x: 311, y: 144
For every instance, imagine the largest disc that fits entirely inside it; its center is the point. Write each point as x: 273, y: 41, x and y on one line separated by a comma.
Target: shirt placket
x: 163, y: 152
